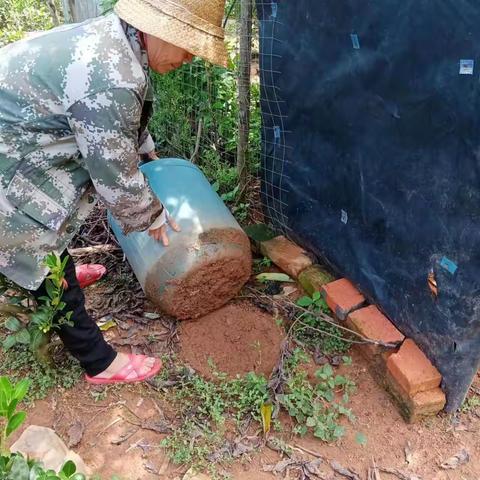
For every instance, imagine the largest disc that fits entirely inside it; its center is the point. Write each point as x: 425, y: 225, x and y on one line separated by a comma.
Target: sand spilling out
x: 238, y: 338
x: 223, y: 263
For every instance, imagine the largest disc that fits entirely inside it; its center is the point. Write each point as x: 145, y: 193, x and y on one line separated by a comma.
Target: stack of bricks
x: 403, y: 369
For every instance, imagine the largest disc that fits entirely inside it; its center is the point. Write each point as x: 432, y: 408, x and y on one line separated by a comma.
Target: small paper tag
x: 355, y: 41
x: 466, y: 67
x: 448, y: 265
x: 274, y: 10
x: 276, y: 132
x: 344, y: 217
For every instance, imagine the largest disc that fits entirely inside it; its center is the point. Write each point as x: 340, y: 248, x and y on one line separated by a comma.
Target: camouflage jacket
x: 71, y: 124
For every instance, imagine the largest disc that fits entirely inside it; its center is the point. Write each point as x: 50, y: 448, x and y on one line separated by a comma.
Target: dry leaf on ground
x: 399, y: 474
x: 457, y: 460
x: 307, y: 470
x: 408, y: 453
x: 345, y: 472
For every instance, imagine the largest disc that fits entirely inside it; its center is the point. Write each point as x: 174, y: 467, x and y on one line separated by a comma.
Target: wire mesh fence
x: 274, y: 130
x: 198, y: 112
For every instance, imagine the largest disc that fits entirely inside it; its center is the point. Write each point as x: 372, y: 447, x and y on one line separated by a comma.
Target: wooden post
x: 53, y: 13
x: 244, y: 66
x: 79, y: 10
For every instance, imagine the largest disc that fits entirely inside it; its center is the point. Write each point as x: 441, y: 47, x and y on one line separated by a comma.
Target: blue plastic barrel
x: 207, y: 263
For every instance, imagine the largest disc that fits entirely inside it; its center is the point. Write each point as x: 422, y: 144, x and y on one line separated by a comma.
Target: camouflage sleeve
x: 106, y: 127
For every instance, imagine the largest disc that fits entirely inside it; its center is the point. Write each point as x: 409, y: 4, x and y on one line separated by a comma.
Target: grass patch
x: 213, y: 415
x: 471, y: 404
x: 208, y: 413
x: 19, y: 363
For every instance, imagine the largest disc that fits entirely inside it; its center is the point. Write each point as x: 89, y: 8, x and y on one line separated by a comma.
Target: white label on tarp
x: 466, y: 67
x: 355, y: 41
x: 274, y: 10
x: 276, y: 132
x: 344, y: 217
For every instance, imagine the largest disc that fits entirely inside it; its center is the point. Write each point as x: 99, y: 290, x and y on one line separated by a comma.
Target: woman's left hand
x: 160, y: 234
x: 152, y: 155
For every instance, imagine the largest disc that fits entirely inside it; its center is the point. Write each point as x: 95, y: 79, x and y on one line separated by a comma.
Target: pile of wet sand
x: 224, y: 267
x: 238, y: 338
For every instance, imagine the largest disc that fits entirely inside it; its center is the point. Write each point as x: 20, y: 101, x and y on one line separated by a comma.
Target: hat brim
x: 153, y: 21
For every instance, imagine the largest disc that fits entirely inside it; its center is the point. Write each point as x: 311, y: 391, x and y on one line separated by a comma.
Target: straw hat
x: 194, y: 25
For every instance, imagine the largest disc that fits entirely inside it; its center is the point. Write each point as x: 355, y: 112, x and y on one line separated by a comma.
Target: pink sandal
x: 89, y: 273
x: 134, y: 365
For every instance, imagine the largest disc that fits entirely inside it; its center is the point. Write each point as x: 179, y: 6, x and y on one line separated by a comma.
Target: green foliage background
x: 18, y: 17
x: 196, y: 107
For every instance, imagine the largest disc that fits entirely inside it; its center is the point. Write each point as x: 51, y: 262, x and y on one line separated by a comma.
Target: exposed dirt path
x: 106, y: 421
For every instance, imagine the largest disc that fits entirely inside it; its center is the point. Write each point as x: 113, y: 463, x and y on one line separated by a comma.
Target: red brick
x: 372, y: 324
x: 429, y: 403
x: 412, y: 370
x: 416, y: 407
x: 313, y: 278
x: 286, y: 255
x: 342, y: 297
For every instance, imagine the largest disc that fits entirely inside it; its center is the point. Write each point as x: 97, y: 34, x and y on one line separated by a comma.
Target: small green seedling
x: 316, y: 300
x: 316, y: 332
x: 47, y: 317
x: 361, y: 439
x: 10, y: 396
x: 13, y: 466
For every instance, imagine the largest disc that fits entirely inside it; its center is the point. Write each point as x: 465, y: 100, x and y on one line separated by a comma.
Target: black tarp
x: 371, y: 157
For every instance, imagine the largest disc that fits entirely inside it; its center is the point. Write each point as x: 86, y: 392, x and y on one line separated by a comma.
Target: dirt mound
x: 222, y: 266
x: 238, y: 338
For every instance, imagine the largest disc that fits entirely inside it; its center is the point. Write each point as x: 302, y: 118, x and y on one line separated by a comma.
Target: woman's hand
x: 160, y: 233
x: 152, y: 155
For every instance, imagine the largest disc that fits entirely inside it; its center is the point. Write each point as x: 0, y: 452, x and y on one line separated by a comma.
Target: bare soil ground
x: 118, y: 431
x: 114, y: 442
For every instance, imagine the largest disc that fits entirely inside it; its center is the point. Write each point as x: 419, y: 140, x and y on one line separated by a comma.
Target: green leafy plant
x: 49, y: 315
x: 318, y: 407
x: 315, y: 332
x: 13, y: 466
x: 18, y: 17
x: 10, y: 396
x: 41, y: 321
x: 316, y: 301
x: 260, y: 264
x: 470, y: 404
x: 265, y: 262
x: 16, y: 467
x: 240, y: 211
x: 204, y: 407
x: 361, y: 439
x: 246, y: 395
